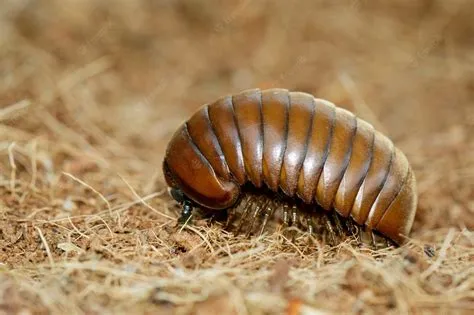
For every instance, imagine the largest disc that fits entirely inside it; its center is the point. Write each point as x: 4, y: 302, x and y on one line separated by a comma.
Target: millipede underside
x: 261, y: 211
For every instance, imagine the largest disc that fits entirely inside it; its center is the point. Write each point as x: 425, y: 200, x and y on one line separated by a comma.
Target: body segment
x: 275, y: 107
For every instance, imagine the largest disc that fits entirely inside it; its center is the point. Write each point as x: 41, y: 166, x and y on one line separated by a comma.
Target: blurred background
x: 113, y: 79
x: 96, y: 88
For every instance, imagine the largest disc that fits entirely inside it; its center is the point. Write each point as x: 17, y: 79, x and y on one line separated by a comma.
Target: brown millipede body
x: 272, y: 155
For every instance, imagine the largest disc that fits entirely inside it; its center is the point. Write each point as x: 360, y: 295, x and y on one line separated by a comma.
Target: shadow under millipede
x: 263, y: 211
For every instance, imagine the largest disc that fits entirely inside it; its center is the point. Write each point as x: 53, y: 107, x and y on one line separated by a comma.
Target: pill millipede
x: 275, y: 159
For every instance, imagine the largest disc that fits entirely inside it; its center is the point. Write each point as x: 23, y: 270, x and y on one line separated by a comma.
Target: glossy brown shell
x: 307, y: 147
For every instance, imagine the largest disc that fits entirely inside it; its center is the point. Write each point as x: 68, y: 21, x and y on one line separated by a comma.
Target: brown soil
x: 91, y: 91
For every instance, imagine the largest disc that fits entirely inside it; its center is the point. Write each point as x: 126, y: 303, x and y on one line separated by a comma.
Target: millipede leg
x: 286, y: 216
x: 286, y: 220
x: 258, y: 213
x: 374, y: 242
x: 329, y: 231
x: 230, y: 218
x: 268, y: 213
x: 293, y: 222
x: 294, y: 215
x: 243, y: 217
x: 351, y: 227
x: 338, y: 225
x: 232, y: 212
x: 365, y: 237
x: 260, y: 205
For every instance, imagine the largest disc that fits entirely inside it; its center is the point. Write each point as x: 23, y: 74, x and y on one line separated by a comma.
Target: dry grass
x: 91, y: 91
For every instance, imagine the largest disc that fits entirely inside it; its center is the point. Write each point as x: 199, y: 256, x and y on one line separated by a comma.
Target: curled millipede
x: 332, y: 168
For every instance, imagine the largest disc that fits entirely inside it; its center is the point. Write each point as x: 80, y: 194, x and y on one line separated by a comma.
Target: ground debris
x: 86, y: 111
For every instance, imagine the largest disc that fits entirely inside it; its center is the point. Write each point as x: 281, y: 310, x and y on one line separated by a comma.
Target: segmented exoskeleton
x: 313, y: 152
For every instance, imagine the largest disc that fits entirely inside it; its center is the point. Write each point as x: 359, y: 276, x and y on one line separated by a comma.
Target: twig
x: 143, y: 201
x: 34, y: 166
x: 46, y: 246
x: 91, y: 188
x: 76, y: 229
x: 200, y: 235
x: 12, y: 110
x: 11, y: 159
x: 441, y: 257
